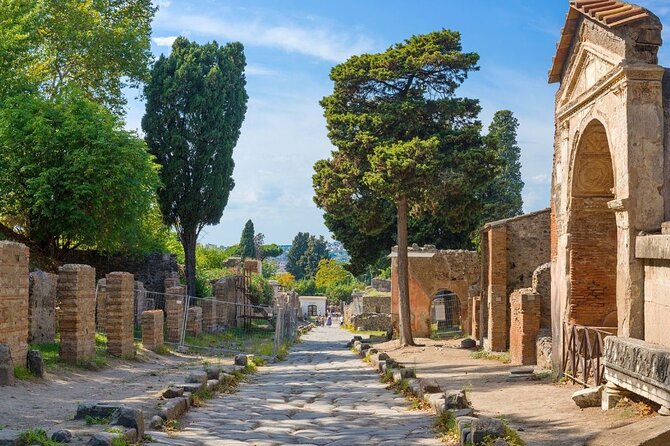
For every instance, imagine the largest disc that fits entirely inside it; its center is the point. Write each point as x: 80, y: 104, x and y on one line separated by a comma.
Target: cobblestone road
x: 321, y: 394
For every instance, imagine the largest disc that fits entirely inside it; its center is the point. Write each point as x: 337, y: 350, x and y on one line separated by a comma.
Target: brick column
x: 14, y: 326
x: 152, y: 329
x: 174, y: 312
x: 120, y: 291
x: 474, y: 314
x: 194, y: 321
x: 42, y: 307
x: 497, y: 291
x: 525, y: 326
x: 209, y: 315
x: 76, y: 293
x: 101, y: 306
x: 224, y: 291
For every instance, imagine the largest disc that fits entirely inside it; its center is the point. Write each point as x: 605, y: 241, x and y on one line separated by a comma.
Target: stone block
x: 6, y: 366
x: 197, y: 377
x: 174, y: 408
x: 62, y: 436
x: 456, y: 400
x: 76, y: 294
x: 152, y: 329
x: 590, y: 397
x: 486, y: 427
x: 9, y: 437
x: 14, y: 308
x: 36, y: 363
x: 120, y: 314
x: 42, y: 307
x: 130, y: 418
x: 468, y: 343
x: 241, y: 360
x: 173, y: 392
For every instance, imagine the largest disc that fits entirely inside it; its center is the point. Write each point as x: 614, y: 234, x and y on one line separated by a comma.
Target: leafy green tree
x: 405, y: 144
x: 305, y: 254
x: 503, y: 196
x: 331, y: 273
x: 270, y: 268
x: 247, y: 246
x: 195, y: 105
x: 70, y: 176
x: 271, y: 250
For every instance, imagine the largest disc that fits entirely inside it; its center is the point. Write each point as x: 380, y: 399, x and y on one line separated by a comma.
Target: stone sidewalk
x: 321, y: 394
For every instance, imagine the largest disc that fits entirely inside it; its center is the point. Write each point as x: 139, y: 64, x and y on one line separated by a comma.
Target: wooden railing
x: 582, y: 353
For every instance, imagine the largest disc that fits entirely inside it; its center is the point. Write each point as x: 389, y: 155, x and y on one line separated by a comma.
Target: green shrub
x: 36, y: 437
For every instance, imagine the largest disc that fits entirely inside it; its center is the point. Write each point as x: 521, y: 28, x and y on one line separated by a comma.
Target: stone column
x: 524, y: 327
x: 174, y: 312
x: 76, y: 293
x: 140, y: 301
x: 42, y: 307
x: 14, y: 326
x: 120, y: 290
x: 497, y: 291
x: 152, y: 329
x: 101, y: 306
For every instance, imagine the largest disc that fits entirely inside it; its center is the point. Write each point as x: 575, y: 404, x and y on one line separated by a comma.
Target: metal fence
x: 212, y: 325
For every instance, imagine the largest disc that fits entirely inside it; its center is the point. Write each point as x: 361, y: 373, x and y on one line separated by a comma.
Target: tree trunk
x: 406, y: 337
x: 188, y: 241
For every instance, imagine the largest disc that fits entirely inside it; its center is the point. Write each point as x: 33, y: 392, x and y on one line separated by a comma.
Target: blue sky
x: 292, y: 45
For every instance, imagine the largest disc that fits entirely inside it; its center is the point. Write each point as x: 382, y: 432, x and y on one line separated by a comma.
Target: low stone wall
x: 383, y: 285
x: 371, y: 322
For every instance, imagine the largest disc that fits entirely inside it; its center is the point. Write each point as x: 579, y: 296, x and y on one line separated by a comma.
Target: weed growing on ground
x: 446, y: 427
x: 2, y: 426
x: 282, y: 353
x: 163, y: 350
x: 483, y: 354
x: 36, y: 437
x: 22, y: 373
x: 114, y: 430
x: 200, y: 396
x: 92, y: 421
x: 511, y: 436
x: 171, y: 425
x: 259, y: 361
x: 387, y: 376
x: 120, y: 441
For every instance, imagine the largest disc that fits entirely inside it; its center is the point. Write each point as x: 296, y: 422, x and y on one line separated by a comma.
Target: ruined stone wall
x: 542, y: 286
x: 383, y: 285
x: 42, y: 308
x: 430, y: 271
x: 366, y: 304
x: 14, y: 327
x: 528, y: 247
x: 227, y: 295
x: 150, y: 269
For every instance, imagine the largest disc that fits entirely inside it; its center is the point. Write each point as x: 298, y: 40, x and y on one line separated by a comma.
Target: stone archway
x: 592, y: 228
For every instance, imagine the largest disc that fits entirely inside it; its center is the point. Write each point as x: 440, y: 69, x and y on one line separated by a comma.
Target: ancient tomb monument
x: 433, y: 273
x: 611, y: 183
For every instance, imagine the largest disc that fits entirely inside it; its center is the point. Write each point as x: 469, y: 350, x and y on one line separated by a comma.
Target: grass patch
x: 446, y: 427
x: 51, y: 354
x: 22, y: 373
x: 283, y: 352
x: 483, y: 354
x: 250, y: 367
x: 259, y: 361
x: 258, y: 341
x: 120, y: 441
x: 171, y: 426
x: 94, y: 421
x: 387, y: 376
x: 36, y: 437
x: 200, y: 396
x: 163, y: 350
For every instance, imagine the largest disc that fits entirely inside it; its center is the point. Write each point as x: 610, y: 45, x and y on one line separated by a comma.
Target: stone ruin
x: 432, y: 270
x: 76, y: 294
x: 14, y: 325
x: 369, y: 309
x: 42, y: 307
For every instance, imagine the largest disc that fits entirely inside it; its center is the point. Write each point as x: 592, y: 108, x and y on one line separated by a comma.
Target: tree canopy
x: 385, y: 109
x: 305, y: 254
x: 405, y: 144
x: 247, y: 245
x: 195, y: 105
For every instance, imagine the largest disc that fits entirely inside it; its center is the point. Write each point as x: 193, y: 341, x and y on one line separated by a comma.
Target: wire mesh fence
x: 212, y: 324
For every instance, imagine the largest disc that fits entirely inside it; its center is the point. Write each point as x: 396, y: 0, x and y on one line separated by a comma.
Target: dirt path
x: 52, y: 402
x: 542, y: 412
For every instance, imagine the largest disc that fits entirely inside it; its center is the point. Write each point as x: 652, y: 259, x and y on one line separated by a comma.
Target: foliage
x: 22, y: 373
x: 36, y: 436
x: 247, y: 247
x: 287, y: 280
x: 50, y: 45
x: 91, y: 421
x: 71, y: 176
x: 341, y: 292
x: 305, y: 254
x: 269, y: 268
x: 331, y: 273
x: 195, y: 105
x: 399, y: 128
x: 503, y: 195
x: 271, y: 250
x: 261, y: 291
x: 305, y: 287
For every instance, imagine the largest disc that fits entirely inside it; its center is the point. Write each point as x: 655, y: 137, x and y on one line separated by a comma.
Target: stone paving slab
x: 321, y: 394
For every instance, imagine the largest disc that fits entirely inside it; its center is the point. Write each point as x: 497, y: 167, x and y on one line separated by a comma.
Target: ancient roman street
x: 322, y: 394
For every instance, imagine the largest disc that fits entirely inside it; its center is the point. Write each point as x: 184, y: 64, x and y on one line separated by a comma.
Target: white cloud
x: 163, y: 4
x: 258, y: 70
x: 319, y: 40
x: 164, y: 41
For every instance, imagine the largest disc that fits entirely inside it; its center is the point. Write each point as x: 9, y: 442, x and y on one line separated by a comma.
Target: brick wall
x: 76, y: 294
x: 174, y: 313
x: 524, y: 326
x: 14, y: 326
x: 593, y: 264
x: 194, y: 321
x: 497, y: 290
